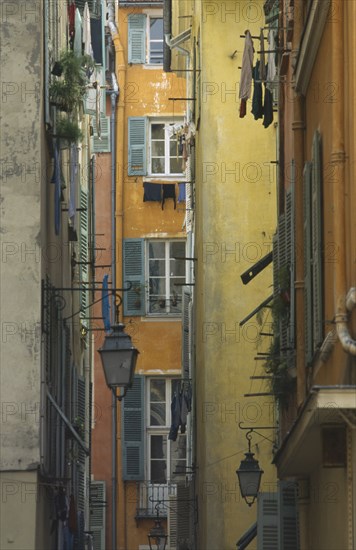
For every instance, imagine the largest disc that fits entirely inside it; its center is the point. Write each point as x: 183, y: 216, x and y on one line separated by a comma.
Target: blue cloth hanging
x: 105, y: 304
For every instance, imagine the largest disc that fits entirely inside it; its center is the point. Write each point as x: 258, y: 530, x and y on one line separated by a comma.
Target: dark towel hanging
x: 152, y: 192
x: 169, y: 192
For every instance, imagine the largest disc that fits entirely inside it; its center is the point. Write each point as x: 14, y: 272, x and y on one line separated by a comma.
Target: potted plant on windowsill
x: 68, y: 89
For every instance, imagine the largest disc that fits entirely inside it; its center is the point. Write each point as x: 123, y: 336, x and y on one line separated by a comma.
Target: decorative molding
x: 310, y: 41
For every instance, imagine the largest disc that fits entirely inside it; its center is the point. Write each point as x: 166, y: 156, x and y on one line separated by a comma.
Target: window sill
x: 164, y: 179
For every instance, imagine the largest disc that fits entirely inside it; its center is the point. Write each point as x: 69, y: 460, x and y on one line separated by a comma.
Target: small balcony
x: 149, y: 494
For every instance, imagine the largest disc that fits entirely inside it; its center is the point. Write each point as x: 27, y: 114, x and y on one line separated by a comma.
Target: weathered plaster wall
x: 235, y: 222
x: 21, y: 118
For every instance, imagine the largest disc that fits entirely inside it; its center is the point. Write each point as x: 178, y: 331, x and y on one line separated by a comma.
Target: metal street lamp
x: 157, y: 537
x: 249, y: 474
x: 118, y: 357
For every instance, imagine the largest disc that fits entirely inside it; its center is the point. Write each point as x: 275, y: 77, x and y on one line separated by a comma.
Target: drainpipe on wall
x: 298, y: 127
x: 117, y: 136
x: 338, y: 159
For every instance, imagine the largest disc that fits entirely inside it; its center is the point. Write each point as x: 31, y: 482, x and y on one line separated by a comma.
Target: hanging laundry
x: 271, y: 67
x: 88, y: 50
x: 182, y: 192
x: 105, y: 303
x: 246, y: 71
x: 78, y: 43
x: 71, y: 23
x: 169, y: 192
x: 152, y: 192
x: 268, y: 108
x: 263, y: 70
x: 257, y: 107
x: 243, y: 108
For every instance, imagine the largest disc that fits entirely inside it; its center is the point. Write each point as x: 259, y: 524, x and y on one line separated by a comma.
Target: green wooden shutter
x: 292, y: 326
x: 317, y: 242
x: 133, y: 432
x: 102, y: 144
x: 267, y: 521
x: 137, y: 146
x: 137, y: 38
x: 288, y: 519
x: 97, y: 513
x: 134, y: 272
x: 308, y: 312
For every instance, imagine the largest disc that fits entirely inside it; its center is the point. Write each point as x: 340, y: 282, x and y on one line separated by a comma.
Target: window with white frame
x: 166, y: 275
x: 155, y: 40
x: 166, y: 458
x: 165, y: 153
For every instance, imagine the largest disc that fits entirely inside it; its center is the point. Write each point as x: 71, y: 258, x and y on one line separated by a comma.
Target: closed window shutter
x: 186, y: 333
x: 137, y: 38
x: 83, y: 252
x: 133, y: 432
x: 102, y: 144
x: 97, y: 513
x: 308, y: 320
x: 290, y: 252
x: 288, y: 520
x: 134, y: 272
x: 282, y: 268
x: 137, y: 146
x: 267, y: 521
x: 317, y: 241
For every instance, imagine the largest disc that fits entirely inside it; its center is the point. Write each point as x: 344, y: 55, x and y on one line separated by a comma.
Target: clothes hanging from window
x: 169, y: 192
x: 152, y: 192
x: 263, y: 70
x: 88, y: 50
x: 180, y: 407
x: 268, y: 108
x: 257, y: 107
x: 271, y: 67
x: 246, y: 71
x: 243, y: 106
x: 78, y: 44
x: 182, y: 192
x: 71, y: 23
x: 57, y: 180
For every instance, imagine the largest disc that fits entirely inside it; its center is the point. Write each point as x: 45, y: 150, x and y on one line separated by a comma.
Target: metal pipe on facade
x: 298, y: 126
x: 338, y: 159
x: 117, y: 151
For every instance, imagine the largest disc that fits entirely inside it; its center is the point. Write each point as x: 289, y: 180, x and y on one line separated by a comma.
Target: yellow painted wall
x: 235, y: 222
x: 145, y: 93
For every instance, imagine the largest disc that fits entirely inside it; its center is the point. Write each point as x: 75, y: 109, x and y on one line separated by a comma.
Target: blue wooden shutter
x: 134, y: 272
x: 288, y: 519
x: 137, y: 146
x: 317, y: 242
x: 308, y: 312
x: 137, y: 38
x: 267, y: 521
x: 133, y: 432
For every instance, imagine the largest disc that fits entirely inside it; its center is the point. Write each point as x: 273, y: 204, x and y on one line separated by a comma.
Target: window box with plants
x: 70, y: 81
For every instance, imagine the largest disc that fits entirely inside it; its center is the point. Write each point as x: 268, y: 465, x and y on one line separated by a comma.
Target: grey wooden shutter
x: 267, y: 521
x: 134, y: 272
x: 282, y: 268
x: 133, y: 432
x: 317, y: 241
x: 137, y: 132
x: 308, y: 312
x: 84, y: 252
x: 137, y: 38
x: 288, y: 519
x: 81, y: 426
x: 292, y: 325
x: 184, y: 516
x: 186, y: 330
x: 97, y: 513
x: 102, y: 144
